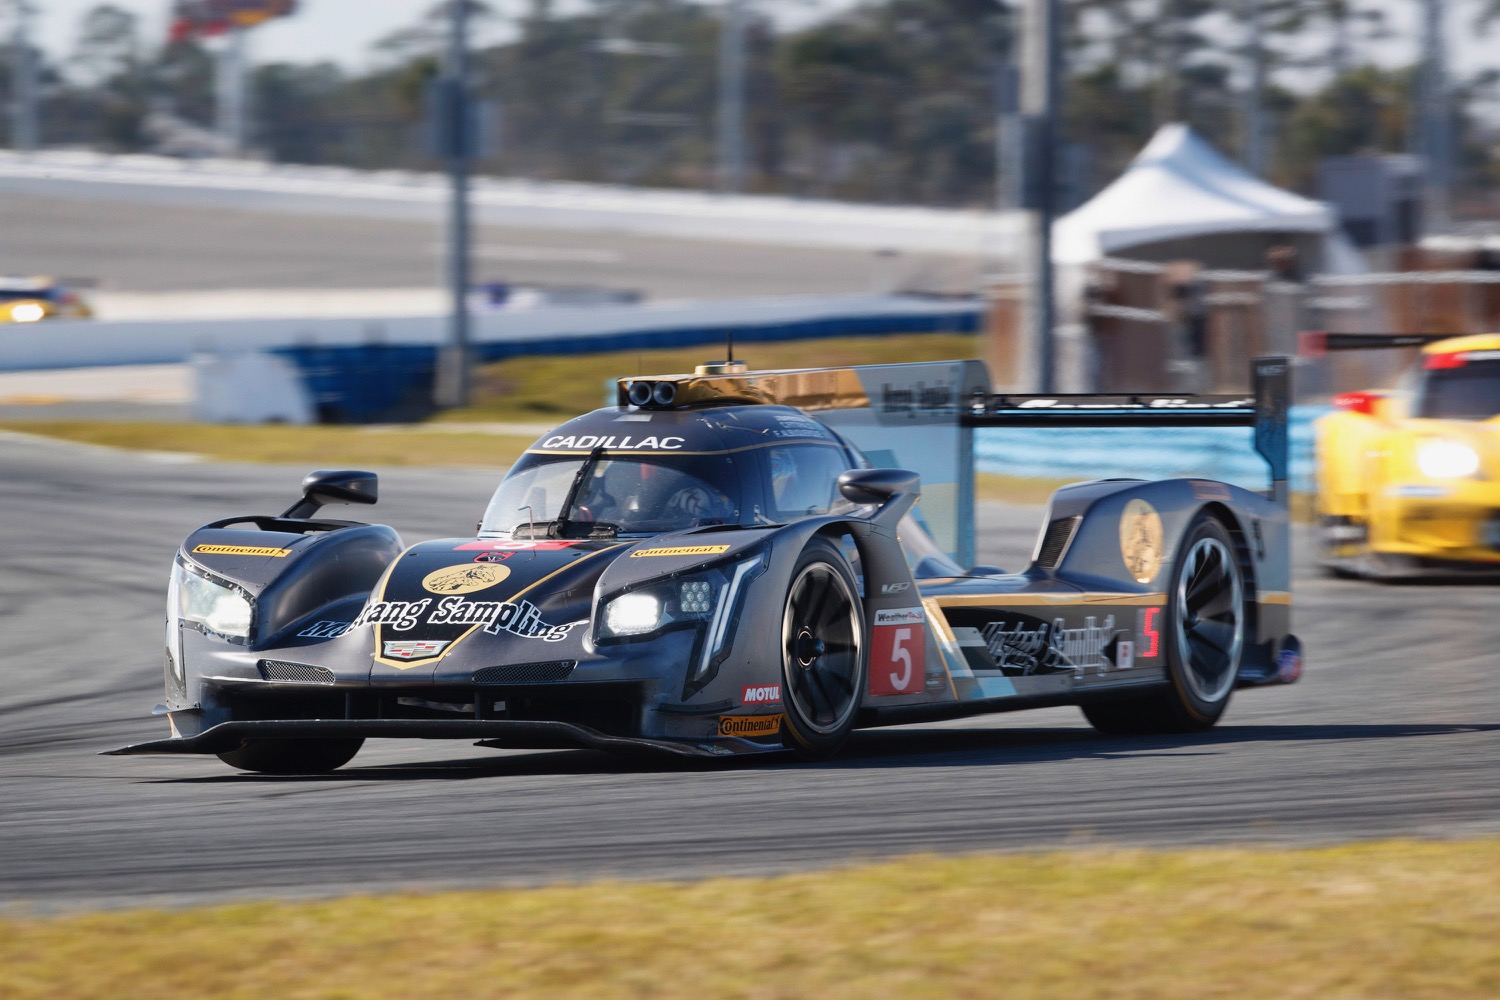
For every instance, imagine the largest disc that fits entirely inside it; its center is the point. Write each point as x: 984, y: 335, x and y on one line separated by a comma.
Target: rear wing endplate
x: 1265, y: 409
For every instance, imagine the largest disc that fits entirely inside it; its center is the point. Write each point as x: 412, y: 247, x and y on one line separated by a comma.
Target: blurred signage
x: 205, y: 18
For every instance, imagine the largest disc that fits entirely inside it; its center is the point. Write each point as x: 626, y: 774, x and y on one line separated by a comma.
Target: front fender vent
x: 302, y: 673
x: 546, y: 672
x: 1055, y: 541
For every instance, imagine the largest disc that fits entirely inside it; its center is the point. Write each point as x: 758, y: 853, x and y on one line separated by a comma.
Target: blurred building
x: 1378, y: 198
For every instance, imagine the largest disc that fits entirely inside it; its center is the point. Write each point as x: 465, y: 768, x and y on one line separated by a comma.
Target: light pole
x: 23, y: 129
x: 1255, y: 134
x: 1039, y: 102
x: 1431, y: 127
x: 732, y: 98
x: 230, y: 90
x: 455, y: 129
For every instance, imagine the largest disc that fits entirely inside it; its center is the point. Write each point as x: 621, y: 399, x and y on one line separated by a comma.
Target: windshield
x: 1469, y: 392
x: 571, y: 496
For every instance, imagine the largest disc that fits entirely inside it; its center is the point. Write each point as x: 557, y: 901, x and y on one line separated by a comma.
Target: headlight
x: 632, y: 614
x: 1440, y: 459
x: 708, y: 599
x: 27, y: 312
x: 689, y: 599
x: 219, y: 607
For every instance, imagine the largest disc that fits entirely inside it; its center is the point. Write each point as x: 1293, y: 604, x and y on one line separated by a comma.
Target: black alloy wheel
x: 1205, y: 642
x: 823, y: 654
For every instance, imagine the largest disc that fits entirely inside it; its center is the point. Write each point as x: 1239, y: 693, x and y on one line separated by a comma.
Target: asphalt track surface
x: 1394, y: 731
x: 148, y: 240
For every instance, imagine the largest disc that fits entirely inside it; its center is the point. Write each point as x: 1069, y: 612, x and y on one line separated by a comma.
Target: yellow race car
x: 1408, y: 480
x: 28, y: 300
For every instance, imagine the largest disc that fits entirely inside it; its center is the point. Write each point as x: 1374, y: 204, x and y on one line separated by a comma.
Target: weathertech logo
x: 240, y: 550
x: 682, y: 550
x: 767, y: 695
x: 749, y: 725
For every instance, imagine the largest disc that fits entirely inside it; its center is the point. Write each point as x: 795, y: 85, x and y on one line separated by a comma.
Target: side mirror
x: 325, y: 487
x: 864, y: 486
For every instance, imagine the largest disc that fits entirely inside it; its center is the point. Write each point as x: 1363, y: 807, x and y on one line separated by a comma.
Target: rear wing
x: 1316, y: 343
x: 1265, y: 409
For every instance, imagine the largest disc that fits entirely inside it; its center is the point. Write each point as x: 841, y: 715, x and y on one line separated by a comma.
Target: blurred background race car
x: 27, y: 300
x: 1409, y: 478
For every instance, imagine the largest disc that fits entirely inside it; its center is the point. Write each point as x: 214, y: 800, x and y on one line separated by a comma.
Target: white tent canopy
x: 1179, y: 188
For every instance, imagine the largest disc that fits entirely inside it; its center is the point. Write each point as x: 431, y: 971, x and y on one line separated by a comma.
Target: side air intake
x: 546, y: 672
x: 303, y: 673
x: 1055, y: 541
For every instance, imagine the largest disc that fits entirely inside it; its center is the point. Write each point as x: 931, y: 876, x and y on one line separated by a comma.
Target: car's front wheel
x: 823, y: 654
x: 1205, y: 642
x: 298, y: 756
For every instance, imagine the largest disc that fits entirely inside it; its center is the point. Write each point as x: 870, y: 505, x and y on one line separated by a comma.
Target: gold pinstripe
x: 1044, y: 600
x: 947, y: 641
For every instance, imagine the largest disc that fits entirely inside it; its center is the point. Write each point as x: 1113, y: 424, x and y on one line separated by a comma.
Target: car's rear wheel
x: 1205, y: 642
x: 268, y: 756
x: 823, y: 654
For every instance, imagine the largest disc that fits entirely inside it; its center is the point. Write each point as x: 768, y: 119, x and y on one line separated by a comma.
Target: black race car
x: 704, y: 569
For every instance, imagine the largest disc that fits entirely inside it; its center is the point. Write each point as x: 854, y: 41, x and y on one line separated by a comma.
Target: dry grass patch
x: 1395, y: 919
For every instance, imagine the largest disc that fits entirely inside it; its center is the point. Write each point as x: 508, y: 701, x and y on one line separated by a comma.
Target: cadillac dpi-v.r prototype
x: 1409, y: 478
x: 713, y: 567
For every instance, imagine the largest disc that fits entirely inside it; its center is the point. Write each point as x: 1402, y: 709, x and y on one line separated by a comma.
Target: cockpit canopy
x: 716, y: 467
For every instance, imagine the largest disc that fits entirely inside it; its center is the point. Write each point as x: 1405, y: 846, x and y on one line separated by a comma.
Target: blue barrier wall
x: 1224, y: 453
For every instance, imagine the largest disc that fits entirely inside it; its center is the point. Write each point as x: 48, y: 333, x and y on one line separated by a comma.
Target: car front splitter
x: 497, y: 733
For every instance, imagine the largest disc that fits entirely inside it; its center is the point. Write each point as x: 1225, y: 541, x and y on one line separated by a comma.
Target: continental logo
x: 240, y: 550
x: 681, y: 550
x: 464, y: 578
x: 749, y: 725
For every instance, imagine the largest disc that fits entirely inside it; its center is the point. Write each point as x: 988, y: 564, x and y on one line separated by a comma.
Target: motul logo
x: 767, y: 695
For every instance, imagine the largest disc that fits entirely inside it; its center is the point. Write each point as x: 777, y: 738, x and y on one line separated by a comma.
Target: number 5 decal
x: 903, y: 657
x: 898, y: 652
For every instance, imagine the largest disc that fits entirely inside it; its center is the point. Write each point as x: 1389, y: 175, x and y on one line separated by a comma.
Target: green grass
x: 1388, y: 920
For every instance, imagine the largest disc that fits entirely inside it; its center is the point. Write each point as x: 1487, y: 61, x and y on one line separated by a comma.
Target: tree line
x: 891, y: 101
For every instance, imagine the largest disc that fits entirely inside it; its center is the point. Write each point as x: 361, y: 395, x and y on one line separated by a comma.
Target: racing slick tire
x: 1205, y: 642
x: 823, y: 652
x: 295, y: 756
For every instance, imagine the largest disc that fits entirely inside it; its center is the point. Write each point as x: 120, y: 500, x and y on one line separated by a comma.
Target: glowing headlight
x: 218, y: 608
x: 661, y: 605
x: 632, y: 614
x: 1447, y: 459
x: 27, y: 312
